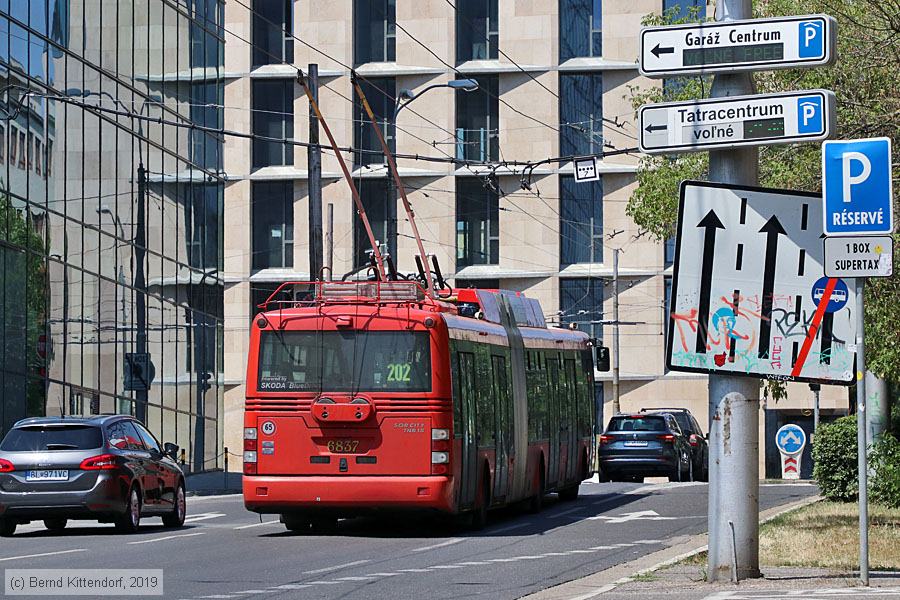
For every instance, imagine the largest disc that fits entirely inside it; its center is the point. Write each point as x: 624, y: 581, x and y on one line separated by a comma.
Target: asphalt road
x: 224, y: 551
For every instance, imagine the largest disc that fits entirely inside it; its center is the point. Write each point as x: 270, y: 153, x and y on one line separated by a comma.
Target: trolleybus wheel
x: 536, y: 503
x: 480, y: 516
x: 295, y: 523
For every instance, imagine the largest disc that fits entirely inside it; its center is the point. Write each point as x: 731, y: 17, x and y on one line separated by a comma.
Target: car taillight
x: 103, y: 462
x: 667, y: 438
x: 250, y: 462
x: 6, y: 466
x: 605, y: 439
x: 694, y: 441
x: 440, y: 451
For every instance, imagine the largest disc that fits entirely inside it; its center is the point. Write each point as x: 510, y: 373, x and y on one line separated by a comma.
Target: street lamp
x: 407, y: 96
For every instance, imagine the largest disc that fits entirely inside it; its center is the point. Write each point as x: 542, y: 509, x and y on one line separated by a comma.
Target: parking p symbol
x: 847, y: 160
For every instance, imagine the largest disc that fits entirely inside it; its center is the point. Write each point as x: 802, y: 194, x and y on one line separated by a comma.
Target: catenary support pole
x: 314, y: 160
x: 329, y: 242
x: 733, y: 401
x: 816, y: 415
x: 616, y: 406
x: 861, y: 444
x: 878, y: 408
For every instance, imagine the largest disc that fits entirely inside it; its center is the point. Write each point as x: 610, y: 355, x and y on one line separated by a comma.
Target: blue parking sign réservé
x: 856, y: 186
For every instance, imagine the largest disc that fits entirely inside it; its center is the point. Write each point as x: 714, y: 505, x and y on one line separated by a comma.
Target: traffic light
x: 203, y: 382
x: 601, y: 358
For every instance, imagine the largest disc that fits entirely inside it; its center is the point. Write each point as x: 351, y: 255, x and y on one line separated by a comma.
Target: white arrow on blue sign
x: 856, y: 184
x: 790, y: 439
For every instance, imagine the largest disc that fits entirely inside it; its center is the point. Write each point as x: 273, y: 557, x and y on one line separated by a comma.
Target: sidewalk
x: 663, y: 576
x: 213, y: 483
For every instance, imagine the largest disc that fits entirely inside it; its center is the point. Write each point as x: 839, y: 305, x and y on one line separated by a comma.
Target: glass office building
x: 111, y: 188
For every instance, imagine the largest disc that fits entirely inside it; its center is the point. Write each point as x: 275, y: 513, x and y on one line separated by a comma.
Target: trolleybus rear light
x: 249, y: 433
x: 440, y: 434
x: 249, y: 462
x: 440, y: 458
x: 249, y: 468
x: 250, y: 445
x: 439, y: 470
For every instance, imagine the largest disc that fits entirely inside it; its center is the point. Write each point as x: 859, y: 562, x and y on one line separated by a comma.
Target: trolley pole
x: 861, y: 443
x: 329, y: 242
x: 314, y: 160
x: 616, y: 407
x: 733, y: 401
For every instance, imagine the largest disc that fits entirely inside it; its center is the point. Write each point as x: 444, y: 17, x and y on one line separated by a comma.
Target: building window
x: 201, y: 223
x: 580, y: 33
x: 2, y: 143
x: 581, y: 114
x: 272, y: 28
x: 479, y: 284
x: 38, y: 158
x: 381, y: 209
x: 380, y: 95
x: 206, y: 33
x: 273, y: 225
x: 683, y: 9
x: 206, y: 111
x: 273, y: 117
x: 669, y: 252
x: 22, y: 150
x: 477, y: 223
x: 375, y: 31
x: 476, y: 30
x: 30, y: 150
x: 581, y: 221
x: 581, y: 302
x: 478, y: 121
x: 13, y: 145
x: 49, y: 157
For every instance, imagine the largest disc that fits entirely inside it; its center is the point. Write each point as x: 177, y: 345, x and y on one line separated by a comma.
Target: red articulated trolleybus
x: 370, y: 396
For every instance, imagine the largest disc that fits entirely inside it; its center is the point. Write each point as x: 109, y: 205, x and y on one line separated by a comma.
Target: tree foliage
x: 865, y: 80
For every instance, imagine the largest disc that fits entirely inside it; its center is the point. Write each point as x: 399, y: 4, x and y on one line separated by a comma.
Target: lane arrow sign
x: 711, y: 222
x: 652, y: 128
x: 772, y: 229
x: 659, y: 50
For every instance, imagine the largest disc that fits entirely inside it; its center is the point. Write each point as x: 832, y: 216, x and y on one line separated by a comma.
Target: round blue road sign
x: 838, y: 298
x: 790, y: 439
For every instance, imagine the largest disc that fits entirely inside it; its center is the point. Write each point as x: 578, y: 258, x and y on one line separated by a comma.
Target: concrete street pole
x: 314, y: 168
x: 616, y: 407
x: 861, y: 443
x: 733, y: 401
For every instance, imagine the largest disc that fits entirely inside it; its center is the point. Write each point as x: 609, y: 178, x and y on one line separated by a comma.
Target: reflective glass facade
x: 580, y: 221
x: 110, y: 223
x: 580, y: 28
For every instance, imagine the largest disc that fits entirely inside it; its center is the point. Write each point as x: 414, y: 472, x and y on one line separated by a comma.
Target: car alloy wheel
x: 179, y: 510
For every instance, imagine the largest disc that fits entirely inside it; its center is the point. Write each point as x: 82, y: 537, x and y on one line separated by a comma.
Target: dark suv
x: 641, y: 445
x: 698, y: 441
x: 108, y: 468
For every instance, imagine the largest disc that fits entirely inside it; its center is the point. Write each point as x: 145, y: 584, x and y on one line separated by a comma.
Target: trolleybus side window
x: 486, y: 403
x: 503, y: 405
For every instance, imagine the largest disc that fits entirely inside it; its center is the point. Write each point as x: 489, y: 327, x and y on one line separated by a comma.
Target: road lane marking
x: 252, y: 592
x: 441, y: 545
x: 473, y: 563
x: 356, y: 578
x: 511, y: 527
x: 43, y: 554
x: 272, y: 522
x: 413, y: 570
x: 290, y: 586
x: 446, y: 567
x: 336, y: 567
x: 383, y: 574
x: 648, y: 541
x: 323, y: 582
x: 167, y: 537
x: 203, y: 517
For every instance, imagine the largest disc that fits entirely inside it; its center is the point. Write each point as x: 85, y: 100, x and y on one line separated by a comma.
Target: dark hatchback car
x: 696, y: 438
x: 644, y: 445
x: 108, y: 468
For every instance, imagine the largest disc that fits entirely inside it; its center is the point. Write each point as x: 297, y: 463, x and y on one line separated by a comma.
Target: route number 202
x: 399, y: 372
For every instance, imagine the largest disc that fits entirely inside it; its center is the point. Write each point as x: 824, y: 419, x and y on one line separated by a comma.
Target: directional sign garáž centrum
x: 748, y: 45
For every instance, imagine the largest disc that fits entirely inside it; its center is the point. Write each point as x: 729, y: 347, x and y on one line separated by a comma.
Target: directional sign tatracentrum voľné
x: 750, y: 45
x: 749, y: 296
x: 805, y: 116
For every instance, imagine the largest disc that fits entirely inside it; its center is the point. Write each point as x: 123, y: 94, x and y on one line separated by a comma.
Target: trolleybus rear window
x: 344, y: 361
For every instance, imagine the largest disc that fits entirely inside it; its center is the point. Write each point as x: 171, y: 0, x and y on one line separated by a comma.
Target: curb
x: 607, y: 580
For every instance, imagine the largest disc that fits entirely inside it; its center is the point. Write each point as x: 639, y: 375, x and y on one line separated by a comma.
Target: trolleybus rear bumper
x: 277, y: 494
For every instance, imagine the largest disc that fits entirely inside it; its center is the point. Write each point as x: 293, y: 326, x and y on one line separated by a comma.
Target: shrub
x: 834, y: 459
x: 884, y: 463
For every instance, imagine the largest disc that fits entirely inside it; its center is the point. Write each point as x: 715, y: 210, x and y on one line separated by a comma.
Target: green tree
x: 24, y: 314
x: 865, y: 80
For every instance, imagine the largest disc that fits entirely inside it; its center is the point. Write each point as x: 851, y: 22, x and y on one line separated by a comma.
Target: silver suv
x: 108, y: 468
